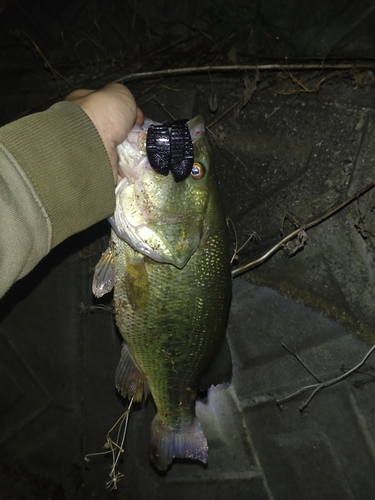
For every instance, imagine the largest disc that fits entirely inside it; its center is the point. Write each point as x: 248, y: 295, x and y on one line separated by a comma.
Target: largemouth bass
x: 169, y: 263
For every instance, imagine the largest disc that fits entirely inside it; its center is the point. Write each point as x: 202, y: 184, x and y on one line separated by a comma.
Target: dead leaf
x: 220, y: 136
x: 212, y: 103
x: 250, y: 87
x: 360, y: 227
x: 299, y: 243
x: 232, y: 54
x: 362, y: 78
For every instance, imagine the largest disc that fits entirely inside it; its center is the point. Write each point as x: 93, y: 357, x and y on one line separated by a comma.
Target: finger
x: 140, y: 116
x: 78, y: 94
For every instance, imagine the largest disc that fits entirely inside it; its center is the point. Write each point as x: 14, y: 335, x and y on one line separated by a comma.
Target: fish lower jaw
x: 184, y: 441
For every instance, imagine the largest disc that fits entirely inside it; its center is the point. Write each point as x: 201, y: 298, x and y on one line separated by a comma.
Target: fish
x: 169, y: 265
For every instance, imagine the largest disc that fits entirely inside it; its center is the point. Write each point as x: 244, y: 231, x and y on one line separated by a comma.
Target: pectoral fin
x: 104, y: 275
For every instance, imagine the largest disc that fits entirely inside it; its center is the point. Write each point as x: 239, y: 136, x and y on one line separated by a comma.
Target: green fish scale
x: 180, y: 327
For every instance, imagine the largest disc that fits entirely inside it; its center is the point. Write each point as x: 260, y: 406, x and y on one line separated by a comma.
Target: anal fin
x: 130, y: 381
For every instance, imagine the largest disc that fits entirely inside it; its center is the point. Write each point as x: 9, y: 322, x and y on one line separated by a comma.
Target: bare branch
x: 267, y: 255
x: 295, y: 355
x: 246, y: 67
x: 115, y: 447
x: 318, y: 387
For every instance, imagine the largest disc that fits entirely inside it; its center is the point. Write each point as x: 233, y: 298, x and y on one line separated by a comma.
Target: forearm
x: 56, y: 180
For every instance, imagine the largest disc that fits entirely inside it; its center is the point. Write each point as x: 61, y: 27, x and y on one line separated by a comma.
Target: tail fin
x: 168, y: 443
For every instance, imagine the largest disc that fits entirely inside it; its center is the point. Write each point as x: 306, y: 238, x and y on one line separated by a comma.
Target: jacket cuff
x: 62, y: 154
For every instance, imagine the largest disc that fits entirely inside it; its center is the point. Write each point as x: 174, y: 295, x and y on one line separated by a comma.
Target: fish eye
x: 198, y: 171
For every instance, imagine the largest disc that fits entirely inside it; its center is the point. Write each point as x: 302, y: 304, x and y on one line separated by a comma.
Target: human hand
x: 114, y: 112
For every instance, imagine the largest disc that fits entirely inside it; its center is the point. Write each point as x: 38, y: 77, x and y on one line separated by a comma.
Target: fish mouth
x: 144, y: 216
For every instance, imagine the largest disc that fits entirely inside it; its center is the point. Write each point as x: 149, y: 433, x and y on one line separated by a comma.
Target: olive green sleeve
x: 55, y: 180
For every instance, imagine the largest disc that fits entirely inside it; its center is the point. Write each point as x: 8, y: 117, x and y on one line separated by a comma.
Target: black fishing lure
x: 170, y: 149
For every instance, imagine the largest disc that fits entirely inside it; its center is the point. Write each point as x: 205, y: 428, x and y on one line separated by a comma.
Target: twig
x: 223, y: 114
x: 257, y: 183
x: 232, y: 227
x: 253, y: 236
x: 292, y: 219
x: 165, y: 87
x: 83, y: 309
x: 54, y: 72
x: 149, y: 99
x: 163, y: 107
x: 315, y: 222
x: 115, y: 447
x: 240, y: 67
x: 209, y: 38
x: 318, y: 387
x: 275, y: 111
x: 134, y: 15
x: 300, y: 361
x: 303, y: 88
x: 202, y: 69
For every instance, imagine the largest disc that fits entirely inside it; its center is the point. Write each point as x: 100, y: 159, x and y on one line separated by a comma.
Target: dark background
x: 289, y: 140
